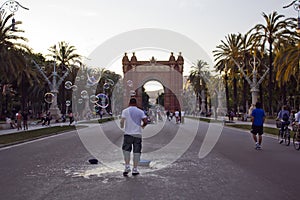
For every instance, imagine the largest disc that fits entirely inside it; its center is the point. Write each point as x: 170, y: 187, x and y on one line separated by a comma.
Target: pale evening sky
x: 87, y: 24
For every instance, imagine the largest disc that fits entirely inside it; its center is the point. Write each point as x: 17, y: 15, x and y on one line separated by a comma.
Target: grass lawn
x: 23, y: 136
x: 34, y: 134
x: 269, y: 130
x: 98, y: 121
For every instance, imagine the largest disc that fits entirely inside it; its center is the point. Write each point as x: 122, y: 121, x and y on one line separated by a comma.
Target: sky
x: 88, y: 24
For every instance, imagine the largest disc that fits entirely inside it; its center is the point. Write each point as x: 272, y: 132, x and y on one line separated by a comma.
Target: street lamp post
x: 13, y: 7
x: 296, y: 5
x: 54, y: 86
x: 254, y: 84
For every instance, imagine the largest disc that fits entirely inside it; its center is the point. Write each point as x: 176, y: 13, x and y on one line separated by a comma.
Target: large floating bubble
x: 103, y: 100
x: 49, y: 97
x: 68, y: 85
x: 93, y: 76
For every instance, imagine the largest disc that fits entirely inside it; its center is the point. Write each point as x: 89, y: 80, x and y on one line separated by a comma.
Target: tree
x: 15, y: 59
x: 224, y: 55
x: 287, y: 66
x: 199, y: 76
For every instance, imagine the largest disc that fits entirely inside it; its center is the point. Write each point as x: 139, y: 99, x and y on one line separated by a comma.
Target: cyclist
x: 284, y: 117
x: 297, y: 120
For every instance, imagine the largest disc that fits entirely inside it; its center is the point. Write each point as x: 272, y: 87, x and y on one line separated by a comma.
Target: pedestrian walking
x: 13, y: 121
x: 25, y: 120
x: 71, y: 117
x: 182, y: 117
x: 134, y: 119
x: 168, y: 115
x: 19, y: 120
x: 177, y: 117
x: 48, y: 118
x: 257, y: 119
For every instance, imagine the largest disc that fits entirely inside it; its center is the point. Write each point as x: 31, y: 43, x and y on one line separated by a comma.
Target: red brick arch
x: 168, y: 73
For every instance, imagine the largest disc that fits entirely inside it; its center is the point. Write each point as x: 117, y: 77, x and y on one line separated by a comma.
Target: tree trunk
x: 283, y: 93
x: 270, y: 88
x: 235, y: 95
x: 227, y: 92
x: 261, y: 96
x: 245, y: 92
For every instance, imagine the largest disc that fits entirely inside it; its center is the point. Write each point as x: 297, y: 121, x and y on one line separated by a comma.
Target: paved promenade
x: 57, y: 167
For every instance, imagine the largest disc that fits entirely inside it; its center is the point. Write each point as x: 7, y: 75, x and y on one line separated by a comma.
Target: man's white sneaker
x: 135, y: 172
x: 126, y: 170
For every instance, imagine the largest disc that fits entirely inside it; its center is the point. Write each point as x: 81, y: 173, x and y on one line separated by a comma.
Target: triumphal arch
x: 168, y: 73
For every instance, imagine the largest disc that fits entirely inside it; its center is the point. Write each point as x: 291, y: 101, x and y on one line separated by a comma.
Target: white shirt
x: 133, y: 118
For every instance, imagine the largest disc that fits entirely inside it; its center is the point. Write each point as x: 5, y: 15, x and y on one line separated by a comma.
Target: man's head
x: 258, y: 105
x: 132, y: 102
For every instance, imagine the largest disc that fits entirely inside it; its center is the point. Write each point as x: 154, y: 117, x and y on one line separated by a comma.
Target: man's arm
x: 122, y: 122
x: 145, y: 121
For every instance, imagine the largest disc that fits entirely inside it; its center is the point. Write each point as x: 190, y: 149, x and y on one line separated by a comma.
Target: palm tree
x: 199, y: 77
x: 14, y: 56
x: 221, y: 67
x: 287, y: 62
x: 287, y: 65
x: 66, y: 57
x: 224, y: 55
x: 275, y: 29
x: 10, y: 58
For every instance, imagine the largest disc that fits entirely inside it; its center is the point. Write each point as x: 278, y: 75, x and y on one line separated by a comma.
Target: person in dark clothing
x: 258, y: 119
x: 25, y: 120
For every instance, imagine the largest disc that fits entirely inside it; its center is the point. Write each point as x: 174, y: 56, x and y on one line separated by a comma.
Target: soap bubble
x: 130, y: 83
x: 77, y: 79
x: 68, y: 85
x: 132, y: 93
x: 94, y: 99
x: 74, y: 88
x: 84, y: 94
x: 103, y: 100
x: 106, y: 86
x: 93, y: 76
x: 49, y: 97
x: 110, y: 82
x: 68, y: 103
x: 80, y: 101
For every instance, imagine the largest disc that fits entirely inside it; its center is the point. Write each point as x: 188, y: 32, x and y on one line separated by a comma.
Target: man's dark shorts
x: 257, y: 130
x: 134, y: 141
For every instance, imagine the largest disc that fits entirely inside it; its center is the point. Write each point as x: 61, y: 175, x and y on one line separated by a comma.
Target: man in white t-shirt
x: 134, y: 120
x: 177, y: 116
